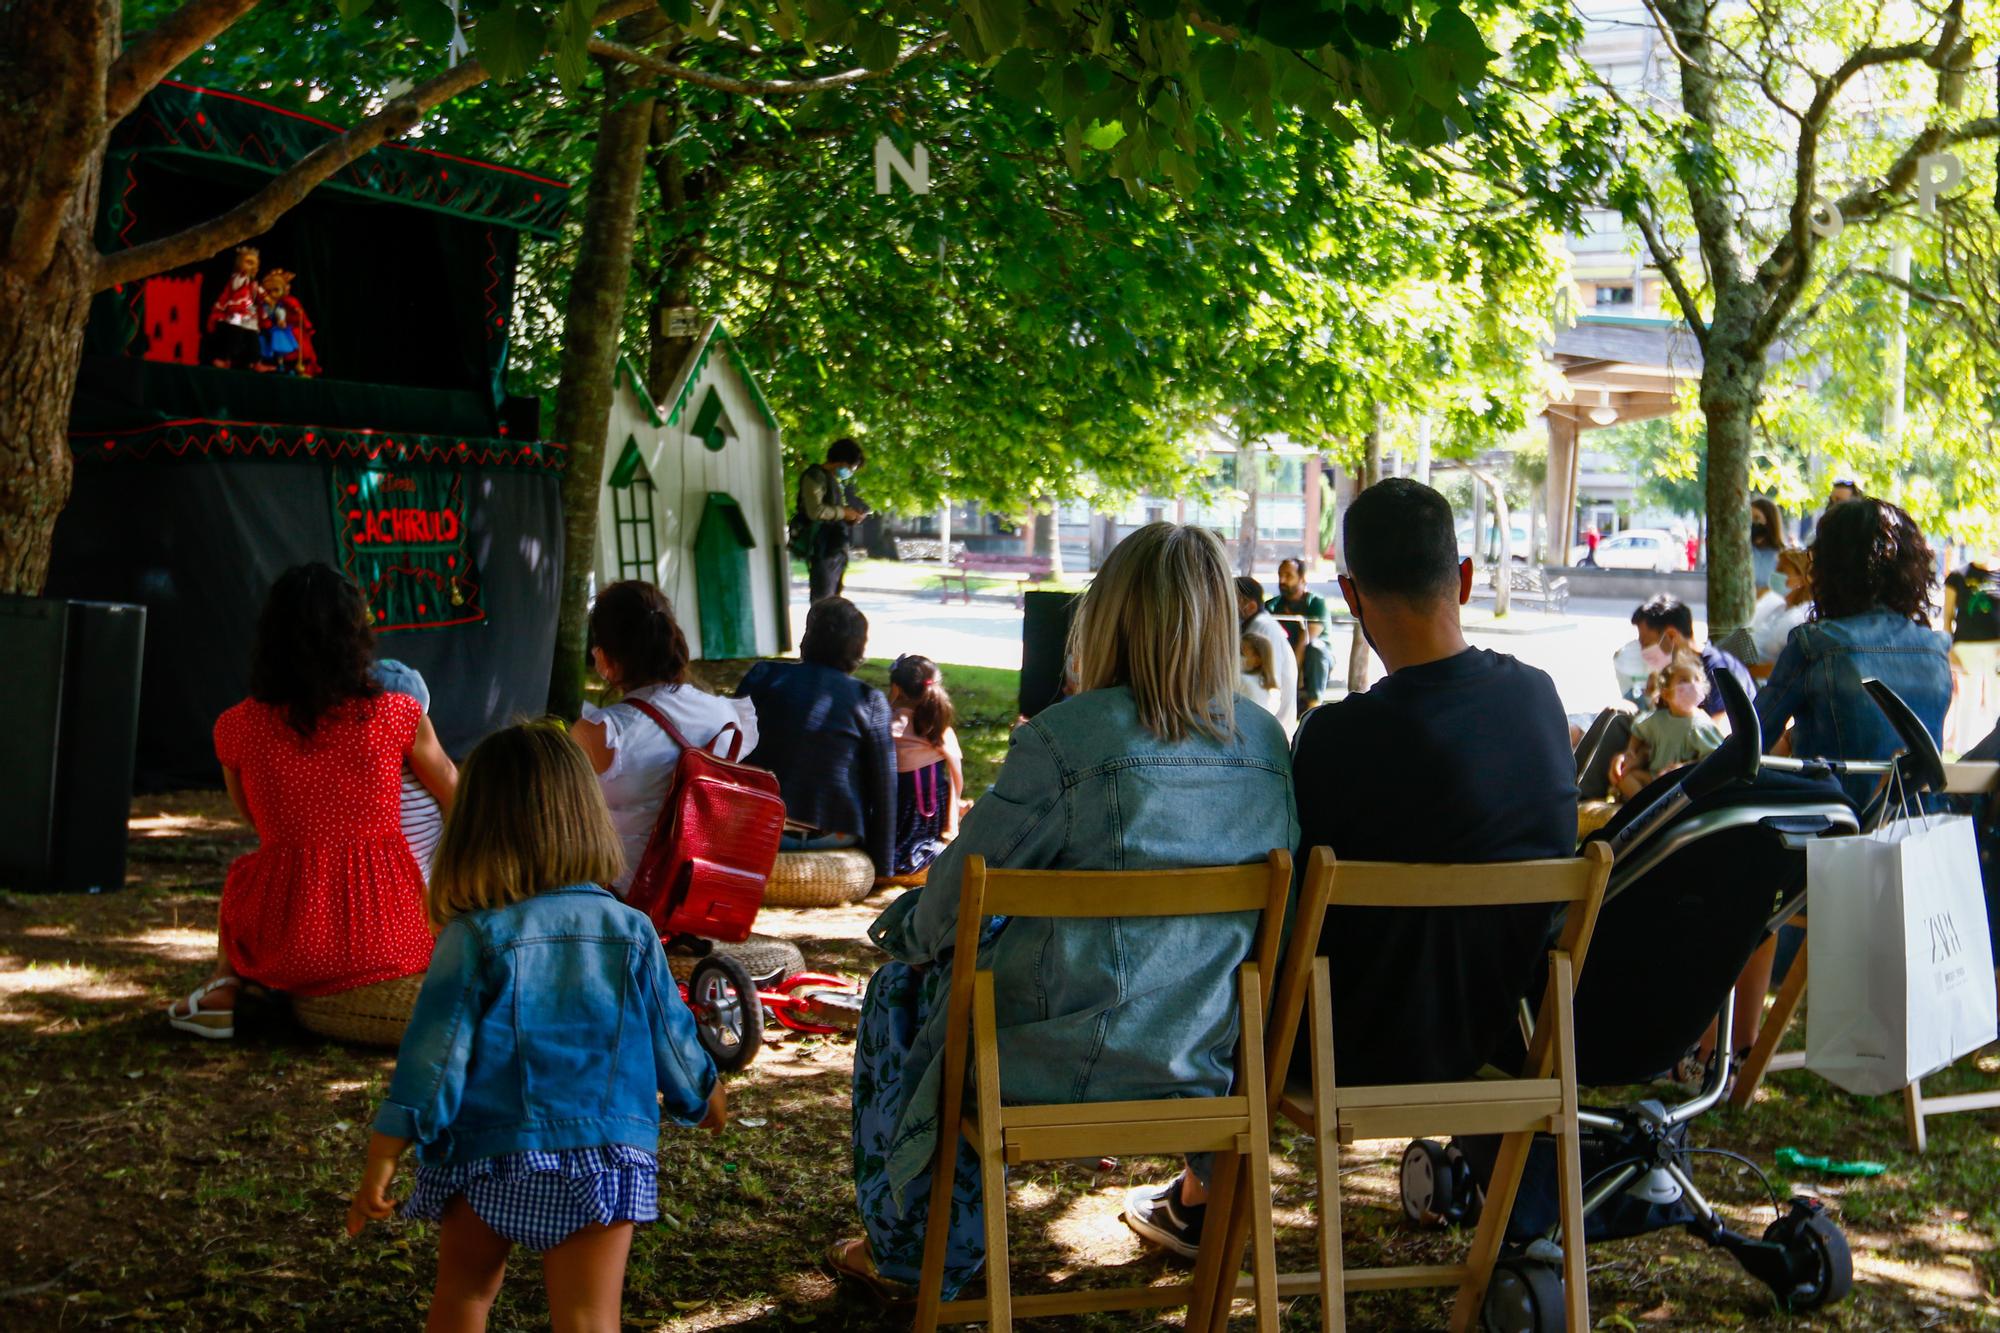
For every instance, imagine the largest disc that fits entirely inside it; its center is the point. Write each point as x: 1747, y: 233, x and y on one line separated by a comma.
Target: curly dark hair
x: 1869, y: 553
x: 836, y: 635
x: 313, y: 648
x: 633, y: 622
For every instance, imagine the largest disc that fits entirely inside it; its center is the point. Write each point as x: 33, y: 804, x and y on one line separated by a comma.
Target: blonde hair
x: 529, y: 816
x: 1160, y: 618
x: 1259, y: 649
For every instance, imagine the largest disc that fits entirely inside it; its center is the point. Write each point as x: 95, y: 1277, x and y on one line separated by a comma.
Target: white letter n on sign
x: 916, y: 175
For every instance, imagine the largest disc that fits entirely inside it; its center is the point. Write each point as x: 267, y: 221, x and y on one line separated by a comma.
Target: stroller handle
x: 1736, y: 759
x: 1923, y: 766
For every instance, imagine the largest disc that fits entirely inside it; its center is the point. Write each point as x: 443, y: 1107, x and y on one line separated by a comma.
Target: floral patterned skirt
x: 899, y: 999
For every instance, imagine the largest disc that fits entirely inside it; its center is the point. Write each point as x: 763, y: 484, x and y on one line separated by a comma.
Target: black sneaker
x: 1158, y: 1215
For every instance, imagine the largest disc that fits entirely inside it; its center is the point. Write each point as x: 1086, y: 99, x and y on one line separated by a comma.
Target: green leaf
x: 680, y: 11
x: 510, y: 40
x: 1374, y: 27
x: 1452, y: 32
x: 875, y: 43
x: 429, y: 20
x: 353, y: 9
x: 1300, y: 25
x: 1103, y: 135
x: 1019, y: 76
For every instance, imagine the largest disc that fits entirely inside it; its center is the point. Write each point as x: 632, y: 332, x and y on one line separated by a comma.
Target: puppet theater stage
x: 403, y: 462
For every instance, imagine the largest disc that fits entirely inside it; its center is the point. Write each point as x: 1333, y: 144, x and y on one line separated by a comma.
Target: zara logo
x: 1945, y: 941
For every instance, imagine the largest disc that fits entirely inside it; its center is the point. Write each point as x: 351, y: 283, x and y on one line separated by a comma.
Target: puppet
x: 233, y: 333
x: 286, y: 331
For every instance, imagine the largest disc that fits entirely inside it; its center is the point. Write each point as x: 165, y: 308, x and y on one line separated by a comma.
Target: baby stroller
x: 1709, y: 861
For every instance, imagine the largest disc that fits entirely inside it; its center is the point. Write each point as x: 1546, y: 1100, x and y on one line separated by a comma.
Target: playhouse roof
x: 233, y: 133
x: 679, y: 394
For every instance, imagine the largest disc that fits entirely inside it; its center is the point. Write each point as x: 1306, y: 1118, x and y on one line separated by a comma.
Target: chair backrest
x: 1262, y: 886
x: 1971, y: 779
x: 1577, y: 882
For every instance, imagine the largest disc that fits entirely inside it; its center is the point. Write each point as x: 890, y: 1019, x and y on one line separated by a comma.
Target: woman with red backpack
x: 637, y: 648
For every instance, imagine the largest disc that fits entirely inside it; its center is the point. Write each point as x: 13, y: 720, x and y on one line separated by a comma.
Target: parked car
x: 1516, y: 535
x: 1655, y: 549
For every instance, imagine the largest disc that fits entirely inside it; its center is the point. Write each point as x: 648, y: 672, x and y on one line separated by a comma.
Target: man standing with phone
x: 827, y: 509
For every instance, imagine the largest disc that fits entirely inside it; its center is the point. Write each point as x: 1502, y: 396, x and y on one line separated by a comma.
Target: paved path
x: 1575, y: 649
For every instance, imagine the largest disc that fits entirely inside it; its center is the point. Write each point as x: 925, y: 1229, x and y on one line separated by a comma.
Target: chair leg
x: 1509, y: 1163
x: 930, y: 1282
x: 1913, y: 1115
x: 1751, y: 1075
x: 999, y: 1275
x: 1569, y: 1158
x: 1326, y: 1147
x: 1214, y: 1271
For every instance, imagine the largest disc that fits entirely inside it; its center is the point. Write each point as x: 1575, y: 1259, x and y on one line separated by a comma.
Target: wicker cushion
x: 820, y: 879
x: 764, y: 958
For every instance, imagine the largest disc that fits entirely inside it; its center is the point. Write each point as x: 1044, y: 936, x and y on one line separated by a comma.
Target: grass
x: 154, y: 1181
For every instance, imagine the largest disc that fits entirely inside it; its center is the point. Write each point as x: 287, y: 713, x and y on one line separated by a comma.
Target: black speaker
x: 1044, y: 636
x: 71, y: 677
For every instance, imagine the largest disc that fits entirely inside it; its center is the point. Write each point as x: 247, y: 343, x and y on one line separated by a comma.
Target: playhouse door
x: 722, y: 547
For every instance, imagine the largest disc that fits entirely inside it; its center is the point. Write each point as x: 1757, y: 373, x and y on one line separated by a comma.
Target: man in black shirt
x: 1458, y: 755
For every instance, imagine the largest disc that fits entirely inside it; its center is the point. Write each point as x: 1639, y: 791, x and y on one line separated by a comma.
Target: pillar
x: 1561, y: 486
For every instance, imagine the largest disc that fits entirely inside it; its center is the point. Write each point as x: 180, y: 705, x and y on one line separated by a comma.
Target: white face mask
x: 1686, y: 696
x: 1655, y: 657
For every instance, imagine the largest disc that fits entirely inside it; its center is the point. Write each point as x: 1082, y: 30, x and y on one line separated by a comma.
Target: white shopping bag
x: 1902, y: 967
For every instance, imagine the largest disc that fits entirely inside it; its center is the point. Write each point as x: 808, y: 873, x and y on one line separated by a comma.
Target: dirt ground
x: 149, y: 1179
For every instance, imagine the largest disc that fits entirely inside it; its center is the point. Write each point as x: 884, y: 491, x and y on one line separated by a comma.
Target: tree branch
x: 256, y: 214
x: 1911, y: 289
x: 610, y: 50
x: 63, y: 120
x: 151, y: 55
x: 1668, y: 262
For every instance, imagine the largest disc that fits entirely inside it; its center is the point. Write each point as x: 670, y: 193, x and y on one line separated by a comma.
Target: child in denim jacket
x: 546, y: 1036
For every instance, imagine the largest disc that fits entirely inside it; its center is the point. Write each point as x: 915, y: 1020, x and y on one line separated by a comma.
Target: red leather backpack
x: 704, y: 868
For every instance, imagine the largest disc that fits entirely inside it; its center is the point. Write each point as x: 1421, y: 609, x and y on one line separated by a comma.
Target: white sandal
x: 215, y: 1024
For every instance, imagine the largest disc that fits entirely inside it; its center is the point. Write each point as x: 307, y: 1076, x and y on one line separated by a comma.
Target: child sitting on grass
x: 547, y: 1032
x: 1676, y: 732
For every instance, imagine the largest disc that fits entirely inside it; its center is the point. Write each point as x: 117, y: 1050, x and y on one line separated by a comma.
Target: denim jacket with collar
x: 547, y: 1024
x: 1113, y: 1008
x: 1816, y: 687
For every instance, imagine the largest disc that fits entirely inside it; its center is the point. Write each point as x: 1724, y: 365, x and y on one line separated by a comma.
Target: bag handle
x: 674, y: 732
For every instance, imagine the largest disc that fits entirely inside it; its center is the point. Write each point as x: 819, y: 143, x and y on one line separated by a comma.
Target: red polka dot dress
x: 331, y: 899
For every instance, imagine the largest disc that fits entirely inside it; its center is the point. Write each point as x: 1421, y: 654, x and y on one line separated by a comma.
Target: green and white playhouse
x: 694, y: 501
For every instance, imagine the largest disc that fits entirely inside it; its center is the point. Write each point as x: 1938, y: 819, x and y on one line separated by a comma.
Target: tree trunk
x: 592, y: 316
x: 1048, y: 539
x: 41, y: 339
x: 1248, y: 474
x: 687, y: 202
x: 48, y: 260
x: 1731, y: 386
x: 1503, y: 521
x: 1371, y: 472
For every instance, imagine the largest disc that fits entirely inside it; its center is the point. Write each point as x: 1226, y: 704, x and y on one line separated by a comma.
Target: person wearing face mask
x: 827, y: 510
x: 1665, y: 625
x: 1674, y: 733
x: 1767, y: 538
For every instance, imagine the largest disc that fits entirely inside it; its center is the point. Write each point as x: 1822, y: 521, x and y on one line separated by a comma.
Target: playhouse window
x: 632, y: 511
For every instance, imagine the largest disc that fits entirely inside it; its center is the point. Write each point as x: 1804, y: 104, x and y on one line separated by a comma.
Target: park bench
x: 1532, y: 587
x: 1025, y: 570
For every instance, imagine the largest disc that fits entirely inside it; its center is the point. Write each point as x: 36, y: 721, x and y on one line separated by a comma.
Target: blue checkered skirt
x: 539, y: 1199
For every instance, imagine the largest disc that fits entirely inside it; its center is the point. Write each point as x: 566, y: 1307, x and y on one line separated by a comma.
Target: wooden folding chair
x: 1543, y: 1099
x: 1765, y: 1058
x: 1236, y: 1128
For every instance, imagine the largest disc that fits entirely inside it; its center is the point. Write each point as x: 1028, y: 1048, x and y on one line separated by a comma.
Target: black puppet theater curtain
x: 459, y: 556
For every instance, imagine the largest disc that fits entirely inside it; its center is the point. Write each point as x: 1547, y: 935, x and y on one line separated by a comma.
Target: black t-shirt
x: 1463, y: 760
x: 1978, y: 617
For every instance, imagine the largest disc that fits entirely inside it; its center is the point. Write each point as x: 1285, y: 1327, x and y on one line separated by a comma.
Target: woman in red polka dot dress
x: 331, y: 899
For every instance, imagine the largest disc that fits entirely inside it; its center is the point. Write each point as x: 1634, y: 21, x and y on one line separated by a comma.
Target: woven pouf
x: 820, y: 879
x: 367, y: 1015
x: 767, y: 960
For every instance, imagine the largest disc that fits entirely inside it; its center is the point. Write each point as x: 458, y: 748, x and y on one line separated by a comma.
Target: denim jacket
x: 1816, y: 687
x: 1113, y: 1008
x: 550, y: 1023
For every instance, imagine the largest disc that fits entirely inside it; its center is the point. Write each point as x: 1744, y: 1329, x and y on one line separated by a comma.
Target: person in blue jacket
x: 547, y: 1034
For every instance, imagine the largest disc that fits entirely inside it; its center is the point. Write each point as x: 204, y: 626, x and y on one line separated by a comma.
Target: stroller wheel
x: 728, y: 1016
x: 1429, y: 1184
x: 1821, y: 1264
x: 1524, y: 1297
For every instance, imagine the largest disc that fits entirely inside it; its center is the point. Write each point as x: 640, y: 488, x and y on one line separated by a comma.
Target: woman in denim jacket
x: 1149, y: 766
x: 1872, y: 575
